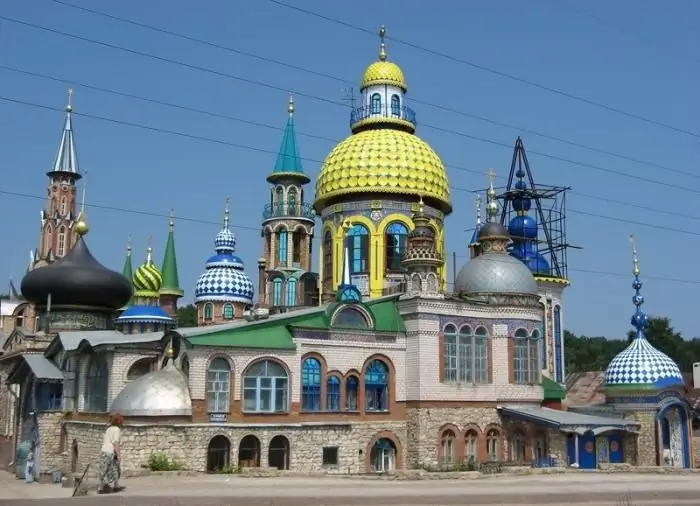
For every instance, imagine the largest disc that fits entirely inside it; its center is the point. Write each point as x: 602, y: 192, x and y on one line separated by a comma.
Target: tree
x: 187, y: 316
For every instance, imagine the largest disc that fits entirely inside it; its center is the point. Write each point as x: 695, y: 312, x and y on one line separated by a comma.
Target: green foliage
x: 187, y: 316
x: 594, y: 353
x: 161, y: 462
x: 228, y: 469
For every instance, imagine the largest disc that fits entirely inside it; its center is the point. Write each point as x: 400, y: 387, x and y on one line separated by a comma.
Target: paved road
x: 570, y: 489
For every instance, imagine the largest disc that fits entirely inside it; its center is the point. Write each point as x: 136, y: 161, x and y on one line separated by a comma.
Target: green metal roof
x: 171, y: 279
x: 288, y: 158
x: 553, y: 391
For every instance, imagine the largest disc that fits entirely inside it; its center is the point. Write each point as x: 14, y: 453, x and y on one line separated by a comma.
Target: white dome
x: 495, y: 273
x: 161, y: 393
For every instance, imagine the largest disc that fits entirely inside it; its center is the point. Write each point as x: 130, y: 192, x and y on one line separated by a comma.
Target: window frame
x: 218, y: 399
x: 277, y: 385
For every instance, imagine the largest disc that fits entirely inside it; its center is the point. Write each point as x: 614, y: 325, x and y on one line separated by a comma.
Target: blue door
x: 615, y: 446
x: 586, y: 452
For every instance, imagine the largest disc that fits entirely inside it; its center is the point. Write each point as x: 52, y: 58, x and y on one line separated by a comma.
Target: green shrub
x: 161, y: 462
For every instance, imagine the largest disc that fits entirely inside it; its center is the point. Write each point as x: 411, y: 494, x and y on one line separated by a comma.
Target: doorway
x: 587, y: 452
x: 249, y: 452
x: 673, y: 427
x: 383, y: 456
x: 219, y: 455
x: 278, y: 454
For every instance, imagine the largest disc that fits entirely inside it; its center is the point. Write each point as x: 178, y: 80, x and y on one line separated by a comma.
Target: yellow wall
x: 376, y: 255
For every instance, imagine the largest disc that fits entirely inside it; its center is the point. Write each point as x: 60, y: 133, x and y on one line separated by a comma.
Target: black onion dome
x: 77, y: 279
x: 493, y: 229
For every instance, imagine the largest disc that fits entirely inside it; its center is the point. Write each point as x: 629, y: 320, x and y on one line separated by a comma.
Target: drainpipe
x: 16, y: 395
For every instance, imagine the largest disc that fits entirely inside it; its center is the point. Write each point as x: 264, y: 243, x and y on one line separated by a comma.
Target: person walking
x: 110, y: 456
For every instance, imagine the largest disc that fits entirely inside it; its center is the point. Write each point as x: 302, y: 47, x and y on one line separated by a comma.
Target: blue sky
x: 641, y: 60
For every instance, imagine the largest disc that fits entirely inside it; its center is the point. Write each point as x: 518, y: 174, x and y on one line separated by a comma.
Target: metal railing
x: 369, y: 111
x: 289, y: 210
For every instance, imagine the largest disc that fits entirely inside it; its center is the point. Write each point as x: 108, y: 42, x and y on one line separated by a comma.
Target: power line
x: 257, y: 229
x: 305, y: 134
x: 490, y: 70
x: 414, y: 99
x: 268, y: 151
x: 218, y: 73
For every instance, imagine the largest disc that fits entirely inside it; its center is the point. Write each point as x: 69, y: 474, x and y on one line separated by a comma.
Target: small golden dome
x: 385, y: 161
x: 81, y: 227
x: 383, y: 72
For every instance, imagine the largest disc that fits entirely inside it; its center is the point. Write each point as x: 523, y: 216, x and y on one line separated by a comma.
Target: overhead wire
x: 414, y: 99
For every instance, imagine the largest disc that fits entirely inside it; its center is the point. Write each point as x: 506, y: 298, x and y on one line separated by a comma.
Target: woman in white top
x: 110, y: 455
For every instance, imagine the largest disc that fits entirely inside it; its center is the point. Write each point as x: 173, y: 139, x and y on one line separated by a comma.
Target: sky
x: 637, y: 57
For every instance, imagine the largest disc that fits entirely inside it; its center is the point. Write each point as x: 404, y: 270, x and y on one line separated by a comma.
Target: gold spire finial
x: 69, y: 106
x: 491, y: 204
x: 149, y: 250
x: 635, y: 258
x: 128, y: 245
x: 290, y: 105
x: 226, y: 212
x: 81, y: 226
x: 171, y: 222
x: 382, y: 45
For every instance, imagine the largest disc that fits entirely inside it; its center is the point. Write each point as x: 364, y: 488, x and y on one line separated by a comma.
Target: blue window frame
x: 311, y: 385
x: 395, y: 244
x: 358, y: 246
x: 351, y: 388
x: 228, y: 312
x: 277, y: 292
x: 291, y: 292
x: 395, y: 106
x: 377, y: 386
x: 333, y: 393
x: 282, y: 246
x: 559, y: 368
x: 265, y: 388
x: 218, y: 386
x: 376, y: 103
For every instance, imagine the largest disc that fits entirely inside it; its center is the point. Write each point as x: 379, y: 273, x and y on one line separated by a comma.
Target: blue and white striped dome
x: 224, y: 278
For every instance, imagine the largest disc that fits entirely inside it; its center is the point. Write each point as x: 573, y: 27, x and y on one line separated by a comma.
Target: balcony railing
x: 289, y: 210
x: 369, y: 111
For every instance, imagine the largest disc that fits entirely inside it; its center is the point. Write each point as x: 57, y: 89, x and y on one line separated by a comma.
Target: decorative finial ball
x: 637, y: 300
x: 81, y: 228
x: 69, y: 108
x: 639, y: 320
x: 382, y: 31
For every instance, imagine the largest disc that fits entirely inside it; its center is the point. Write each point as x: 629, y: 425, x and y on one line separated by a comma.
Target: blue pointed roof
x: 288, y: 159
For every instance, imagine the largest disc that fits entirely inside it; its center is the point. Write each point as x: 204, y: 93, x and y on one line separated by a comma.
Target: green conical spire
x: 171, y: 280
x: 128, y: 270
x: 288, y: 160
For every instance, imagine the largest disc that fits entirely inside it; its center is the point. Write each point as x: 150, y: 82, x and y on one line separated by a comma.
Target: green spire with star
x: 128, y: 269
x: 171, y: 279
x: 288, y: 163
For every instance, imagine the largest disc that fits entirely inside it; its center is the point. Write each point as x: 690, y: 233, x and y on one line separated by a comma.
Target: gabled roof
x: 568, y: 421
x: 38, y: 365
x: 71, y: 340
x: 277, y: 331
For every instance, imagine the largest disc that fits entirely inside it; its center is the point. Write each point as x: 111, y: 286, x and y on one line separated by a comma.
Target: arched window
x: 297, y: 237
x: 534, y: 356
x: 282, y: 246
x: 292, y: 202
x: 448, y: 448
x: 311, y: 385
x: 97, y: 385
x: 525, y: 363
x: 291, y: 292
x: 228, y: 312
x: 218, y: 386
x: 377, y: 386
x: 465, y: 355
x: 350, y: 317
x: 64, y: 206
x: 352, y: 384
x: 279, y: 201
x: 333, y: 393
x: 395, y: 106
x: 327, y: 260
x: 541, y: 334
x: 539, y: 446
x: 139, y: 368
x: 70, y: 383
x: 61, y: 249
x: 517, y: 446
x: 376, y: 103
x: 471, y: 447
x: 265, y: 388
x: 558, y: 346
x: 208, y: 311
x: 395, y: 243
x: 358, y: 238
x: 277, y: 292
x: 493, y: 445
x: 48, y: 238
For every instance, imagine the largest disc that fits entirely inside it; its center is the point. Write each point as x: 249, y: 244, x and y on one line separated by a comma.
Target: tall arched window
x: 558, y: 346
x: 395, y: 106
x: 282, y: 246
x: 208, y: 311
x: 481, y: 356
x: 493, y: 445
x: 97, y: 384
x: 358, y: 238
x: 517, y: 446
x: 395, y: 243
x: 534, y: 356
x: 297, y: 237
x: 291, y: 292
x: 48, y: 239
x: 333, y: 393
x: 377, y: 386
x: 327, y: 260
x: 465, y: 355
x: 471, y: 447
x: 543, y: 340
x: 448, y: 448
x: 64, y: 206
x: 277, y: 292
x: 311, y: 385
x: 61, y: 249
x: 292, y: 202
x: 376, y: 103
x: 218, y: 386
x: 228, y: 312
x: 352, y: 385
x: 265, y: 388
x: 279, y: 200
x: 521, y: 363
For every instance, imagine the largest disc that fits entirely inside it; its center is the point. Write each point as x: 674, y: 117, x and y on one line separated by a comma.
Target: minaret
x: 170, y: 291
x: 286, y: 279
x: 474, y: 243
x: 422, y: 259
x: 128, y: 269
x: 59, y: 215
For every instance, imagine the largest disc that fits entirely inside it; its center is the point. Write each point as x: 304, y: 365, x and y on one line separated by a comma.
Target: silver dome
x: 160, y: 393
x: 495, y: 273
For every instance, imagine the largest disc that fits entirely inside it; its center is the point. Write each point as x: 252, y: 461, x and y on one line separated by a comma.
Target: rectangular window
x: 218, y: 394
x: 451, y: 358
x: 465, y: 359
x: 481, y: 360
x: 265, y: 395
x: 520, y: 361
x: 330, y: 456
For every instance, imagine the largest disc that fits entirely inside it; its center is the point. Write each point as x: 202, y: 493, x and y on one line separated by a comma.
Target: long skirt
x: 109, y: 471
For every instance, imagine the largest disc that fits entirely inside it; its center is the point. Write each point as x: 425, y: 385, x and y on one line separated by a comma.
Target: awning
x: 568, y: 421
x: 38, y: 365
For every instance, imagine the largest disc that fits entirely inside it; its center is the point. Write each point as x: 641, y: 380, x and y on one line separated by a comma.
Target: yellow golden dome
x: 383, y: 72
x: 383, y: 161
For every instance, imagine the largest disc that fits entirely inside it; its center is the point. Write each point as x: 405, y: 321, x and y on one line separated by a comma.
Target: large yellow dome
x: 385, y: 161
x: 383, y: 72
